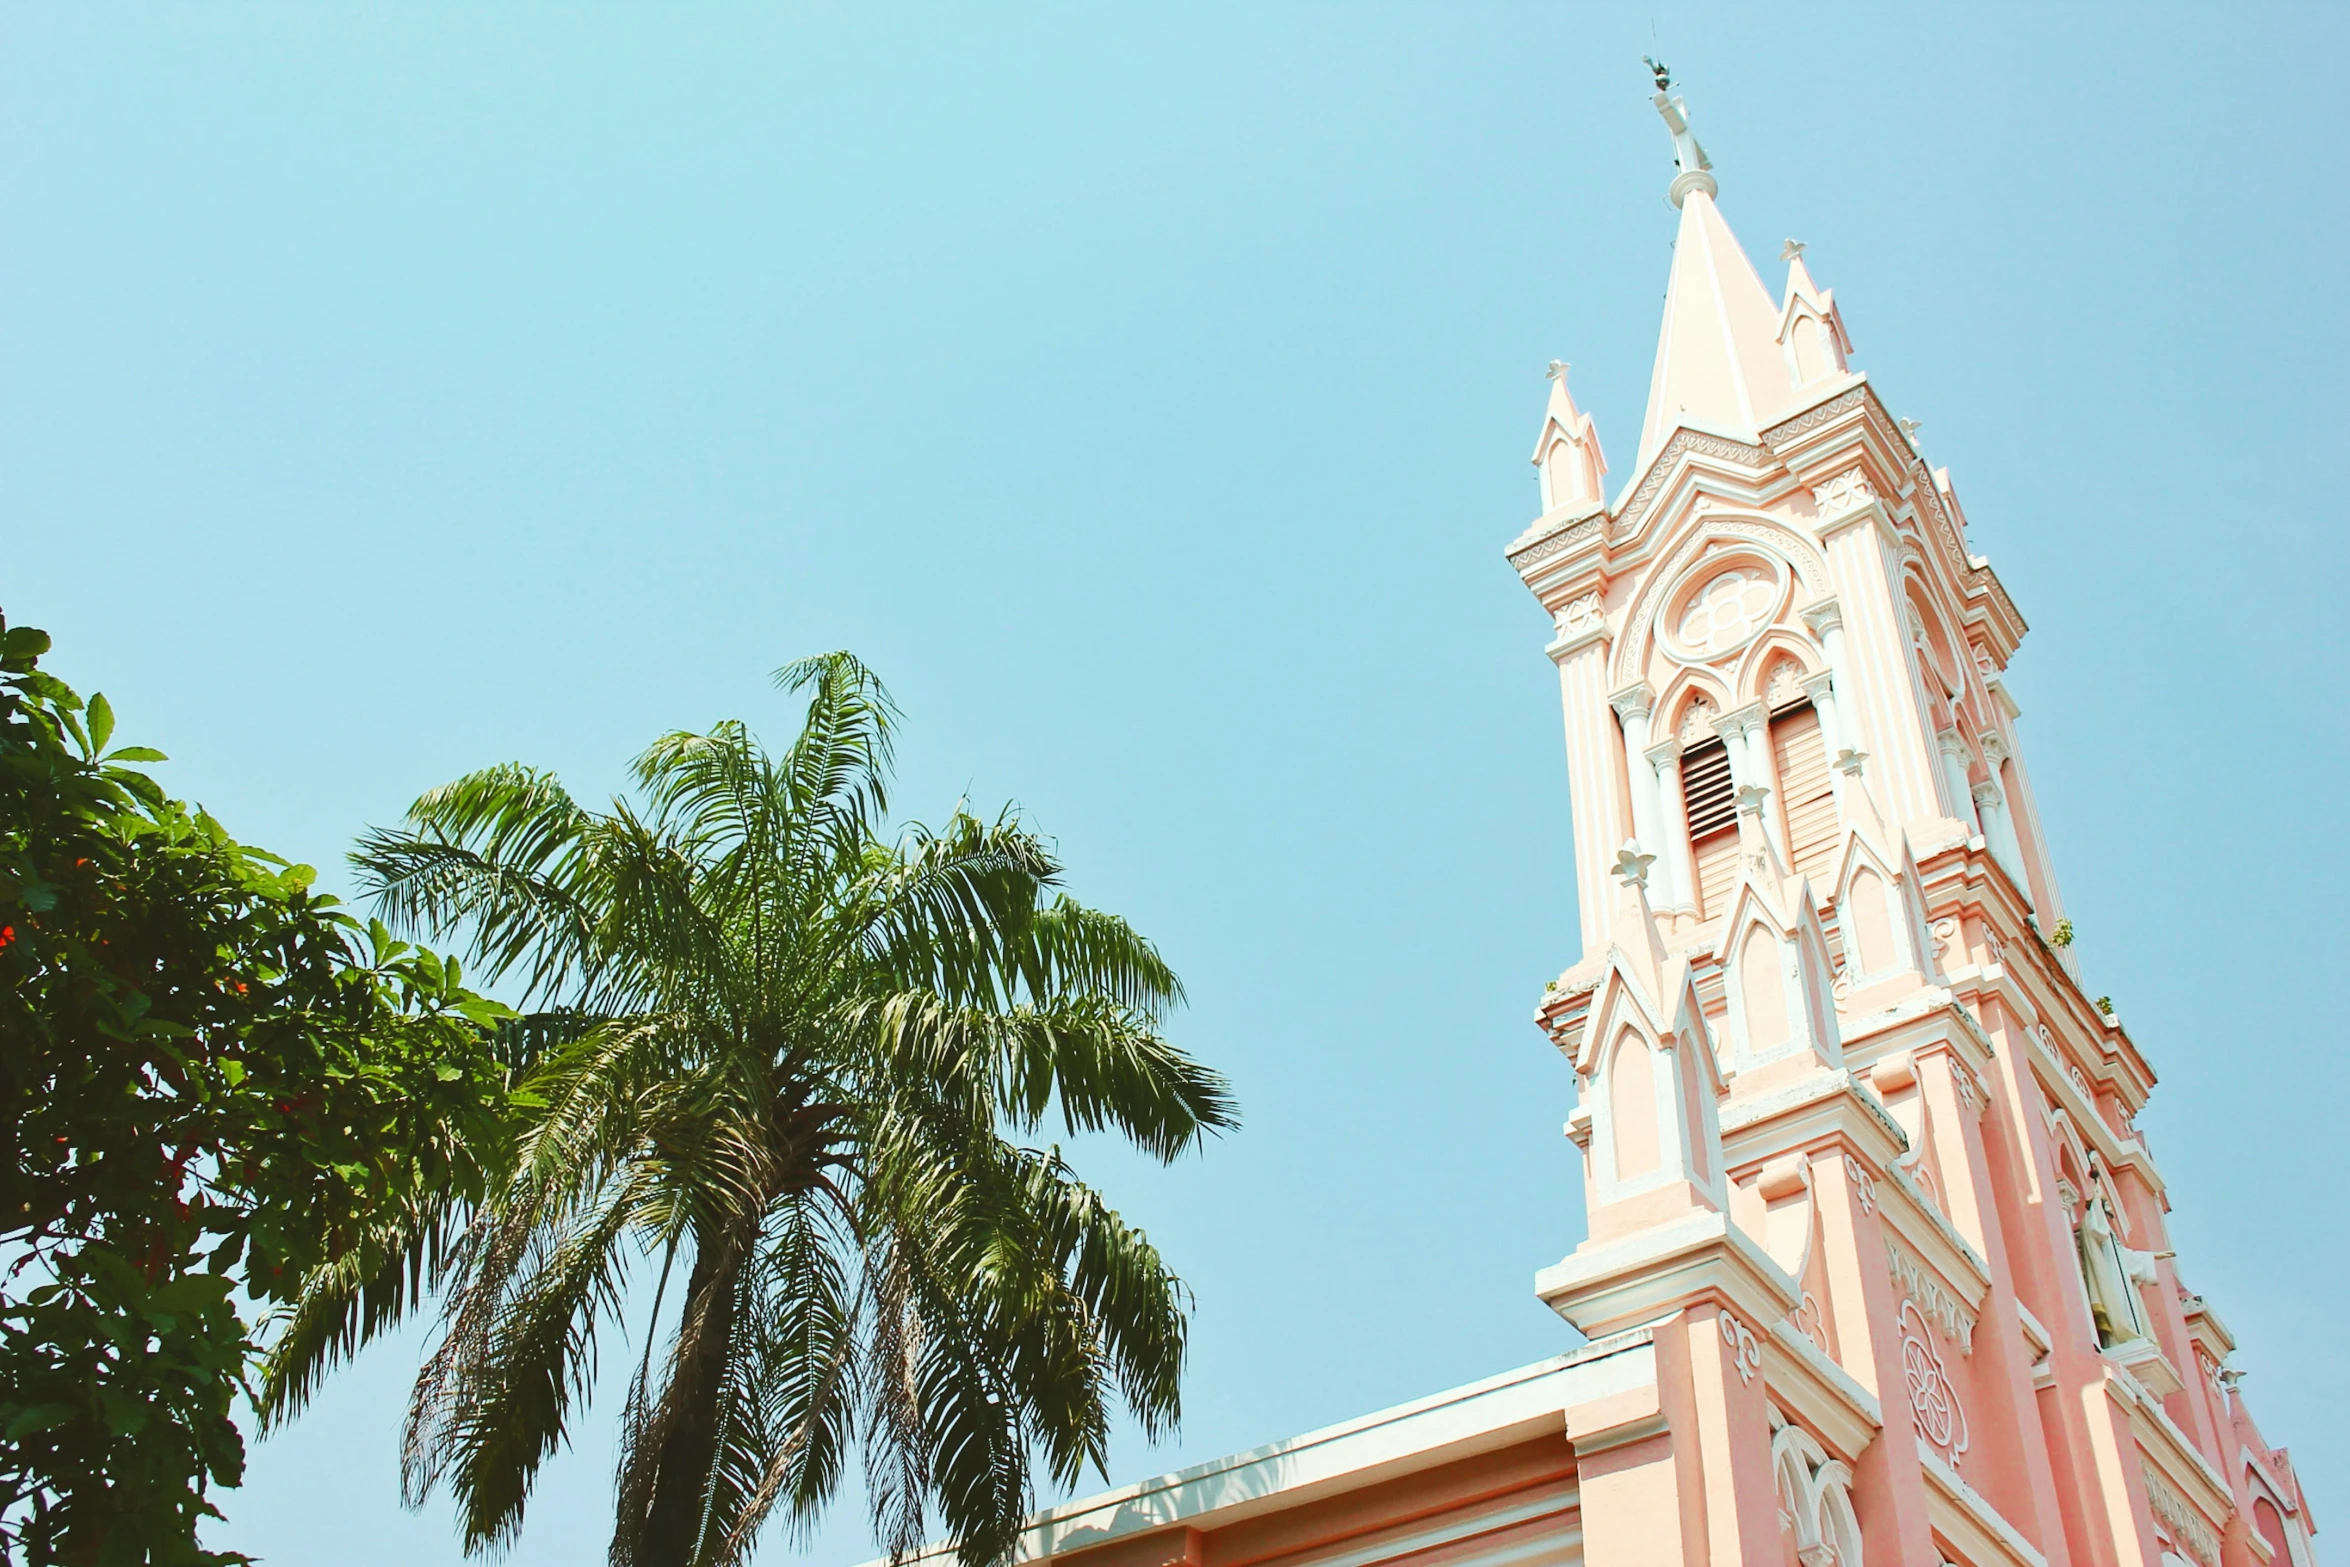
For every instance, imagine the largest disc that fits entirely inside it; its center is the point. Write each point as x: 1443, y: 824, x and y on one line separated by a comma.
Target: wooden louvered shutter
x: 1800, y: 753
x: 1713, y: 822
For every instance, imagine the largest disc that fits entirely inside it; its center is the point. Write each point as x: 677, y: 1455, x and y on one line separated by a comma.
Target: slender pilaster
x: 1665, y: 758
x: 1871, y: 647
x: 1633, y: 706
x: 1595, y: 772
x: 1821, y: 688
x: 1747, y: 733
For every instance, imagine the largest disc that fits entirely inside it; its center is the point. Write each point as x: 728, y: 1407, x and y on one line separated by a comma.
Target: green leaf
x: 51, y: 690
x: 447, y: 1073
x: 101, y: 721
x: 24, y: 642
x: 41, y: 1417
x: 137, y: 753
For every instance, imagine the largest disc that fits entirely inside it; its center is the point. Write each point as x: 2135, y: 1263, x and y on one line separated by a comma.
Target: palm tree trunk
x: 681, y: 1463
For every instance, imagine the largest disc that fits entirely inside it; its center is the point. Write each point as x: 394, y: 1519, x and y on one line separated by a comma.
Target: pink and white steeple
x: 1924, y: 1308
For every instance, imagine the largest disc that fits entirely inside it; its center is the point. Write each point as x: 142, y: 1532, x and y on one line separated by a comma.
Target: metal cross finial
x: 1791, y: 250
x: 1557, y: 371
x: 1658, y: 69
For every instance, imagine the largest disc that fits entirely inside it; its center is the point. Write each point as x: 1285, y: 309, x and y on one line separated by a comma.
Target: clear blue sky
x: 386, y: 390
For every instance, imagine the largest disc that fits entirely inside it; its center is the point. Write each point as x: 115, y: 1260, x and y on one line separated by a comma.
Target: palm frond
x: 512, y: 1409
x: 497, y: 854
x: 788, y: 1052
x: 839, y: 767
x: 383, y: 1275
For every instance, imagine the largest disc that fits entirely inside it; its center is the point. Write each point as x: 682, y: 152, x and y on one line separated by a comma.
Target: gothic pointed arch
x: 1777, y: 979
x: 1646, y: 1068
x: 1880, y: 929
x: 1709, y: 544
x: 1688, y: 703
x: 1815, y: 1498
x: 1752, y: 680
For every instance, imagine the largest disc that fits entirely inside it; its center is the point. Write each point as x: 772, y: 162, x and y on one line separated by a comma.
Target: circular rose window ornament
x: 1720, y: 606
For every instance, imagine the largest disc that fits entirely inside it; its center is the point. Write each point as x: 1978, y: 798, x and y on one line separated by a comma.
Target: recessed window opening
x: 1711, y: 803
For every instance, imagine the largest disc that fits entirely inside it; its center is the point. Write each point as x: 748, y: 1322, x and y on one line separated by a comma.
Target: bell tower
x: 1860, y: 1154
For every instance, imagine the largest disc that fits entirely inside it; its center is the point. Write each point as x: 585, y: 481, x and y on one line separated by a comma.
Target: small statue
x: 2112, y: 1272
x: 1696, y: 168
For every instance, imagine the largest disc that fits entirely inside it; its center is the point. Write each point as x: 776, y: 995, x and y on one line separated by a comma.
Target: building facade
x: 1877, y: 1269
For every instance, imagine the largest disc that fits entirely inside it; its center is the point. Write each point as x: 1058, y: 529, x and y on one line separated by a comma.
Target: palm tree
x: 798, y: 1058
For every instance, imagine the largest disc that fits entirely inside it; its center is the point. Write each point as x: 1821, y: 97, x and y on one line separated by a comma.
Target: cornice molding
x: 1539, y: 549
x: 1657, y: 1271
x: 1568, y: 646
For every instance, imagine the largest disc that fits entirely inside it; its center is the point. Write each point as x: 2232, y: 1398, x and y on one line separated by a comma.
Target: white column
x: 1732, y: 733
x: 1681, y: 862
x: 1826, y: 621
x: 1991, y: 804
x: 1821, y: 688
x: 1954, y: 779
x: 1751, y: 763
x: 1998, y: 820
x: 1633, y: 706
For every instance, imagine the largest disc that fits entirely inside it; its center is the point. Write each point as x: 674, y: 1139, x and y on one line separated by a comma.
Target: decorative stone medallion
x: 1933, y: 1400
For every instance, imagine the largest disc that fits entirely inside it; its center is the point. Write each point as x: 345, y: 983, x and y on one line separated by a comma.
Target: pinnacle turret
x: 1567, y: 452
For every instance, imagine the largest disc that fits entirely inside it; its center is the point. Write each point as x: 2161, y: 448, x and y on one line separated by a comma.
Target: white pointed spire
x: 1567, y: 453
x: 1724, y: 364
x: 1718, y: 363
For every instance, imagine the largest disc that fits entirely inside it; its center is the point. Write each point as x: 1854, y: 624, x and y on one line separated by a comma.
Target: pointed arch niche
x: 1635, y: 1130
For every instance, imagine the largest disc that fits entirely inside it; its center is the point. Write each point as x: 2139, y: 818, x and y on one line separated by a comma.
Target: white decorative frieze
x: 1579, y: 615
x: 2185, y: 1525
x: 1920, y: 1286
x: 1848, y: 491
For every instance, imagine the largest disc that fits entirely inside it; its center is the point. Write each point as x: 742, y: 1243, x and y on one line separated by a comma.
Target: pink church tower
x: 1877, y: 1273
x: 1858, y: 1152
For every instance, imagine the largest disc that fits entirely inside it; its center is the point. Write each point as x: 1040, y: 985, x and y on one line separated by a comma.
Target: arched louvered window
x: 1711, y: 803
x: 1807, y: 804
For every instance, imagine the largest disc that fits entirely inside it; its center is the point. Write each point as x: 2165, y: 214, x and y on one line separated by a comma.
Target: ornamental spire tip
x: 1696, y: 168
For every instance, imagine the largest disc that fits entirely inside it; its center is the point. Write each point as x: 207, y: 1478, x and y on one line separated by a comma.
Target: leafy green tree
x: 209, y: 1077
x: 792, y: 1061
